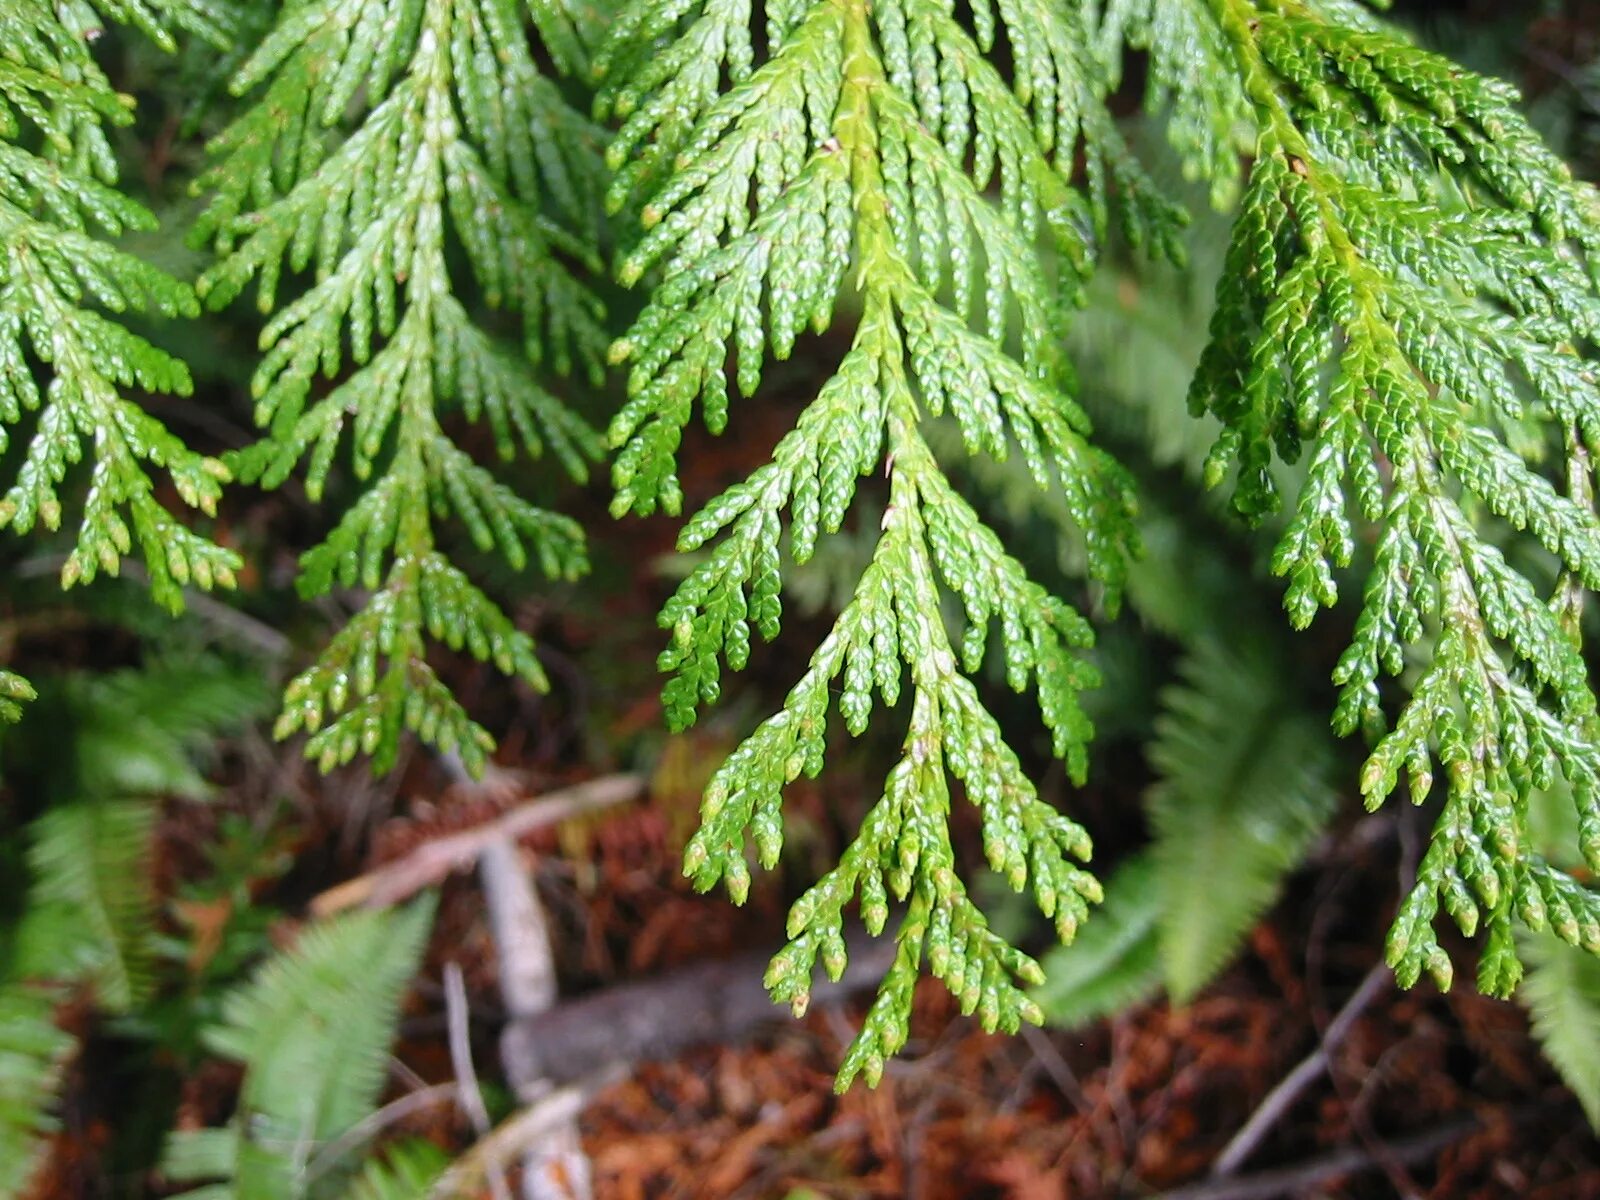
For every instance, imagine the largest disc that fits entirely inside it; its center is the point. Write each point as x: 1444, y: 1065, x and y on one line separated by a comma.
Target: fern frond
x: 64, y: 359
x: 1244, y: 781
x: 1244, y: 784
x: 1562, y: 992
x: 407, y: 1171
x: 313, y: 1030
x: 140, y: 732
x: 33, y: 1052
x: 868, y: 138
x: 1412, y: 271
x: 460, y: 136
x: 91, y: 907
x: 1115, y: 962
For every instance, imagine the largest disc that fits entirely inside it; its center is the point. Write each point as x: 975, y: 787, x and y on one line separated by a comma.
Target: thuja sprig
x: 1414, y: 275
x: 63, y: 355
x: 15, y: 691
x: 868, y: 138
x: 457, y: 134
x: 1190, y: 79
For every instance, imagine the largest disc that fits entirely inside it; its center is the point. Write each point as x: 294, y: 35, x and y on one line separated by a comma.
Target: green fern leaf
x: 407, y: 1171
x: 1115, y: 962
x: 460, y: 136
x: 313, y: 1030
x: 91, y: 908
x: 141, y: 732
x: 1245, y: 783
x: 33, y: 1051
x: 134, y: 733
x: 1562, y: 992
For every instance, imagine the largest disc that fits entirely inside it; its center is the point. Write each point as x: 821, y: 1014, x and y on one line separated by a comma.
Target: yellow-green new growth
x: 869, y: 137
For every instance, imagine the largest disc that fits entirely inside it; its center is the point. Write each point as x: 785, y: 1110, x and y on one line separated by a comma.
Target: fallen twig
x: 232, y: 622
x: 554, y: 1167
x: 528, y: 981
x: 1290, y: 1181
x: 470, y: 1095
x: 514, y: 1135
x: 1279, y: 1099
x: 1056, y: 1067
x: 433, y: 861
x: 657, y: 1018
x: 375, y: 1123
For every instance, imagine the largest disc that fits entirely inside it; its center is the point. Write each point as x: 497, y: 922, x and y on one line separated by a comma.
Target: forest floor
x: 1419, y: 1094
x: 1416, y: 1093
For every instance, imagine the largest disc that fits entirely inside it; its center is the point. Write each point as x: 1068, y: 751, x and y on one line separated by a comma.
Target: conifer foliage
x: 1409, y: 283
x: 67, y: 365
x: 455, y: 132
x: 868, y: 138
x: 1408, y: 293
x: 1407, y: 317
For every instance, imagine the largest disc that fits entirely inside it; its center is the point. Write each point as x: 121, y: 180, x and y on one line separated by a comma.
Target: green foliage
x: 453, y: 133
x: 313, y: 1030
x: 1562, y: 992
x: 408, y: 1171
x: 1190, y: 76
x: 91, y: 908
x: 1397, y: 382
x: 1245, y: 783
x: 1115, y: 962
x: 63, y: 356
x: 33, y: 1051
x: 870, y: 134
x: 1407, y: 283
x: 1404, y: 303
x: 141, y: 731
x: 93, y: 752
x: 15, y: 691
x: 97, y: 750
x: 1244, y: 780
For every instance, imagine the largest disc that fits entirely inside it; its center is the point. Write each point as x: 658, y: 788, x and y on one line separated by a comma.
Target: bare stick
x: 230, y: 621
x: 468, y: 1092
x: 1279, y: 1099
x: 555, y: 1168
x: 375, y: 1123
x: 521, y: 935
x: 709, y: 1002
x: 514, y: 1135
x: 1296, y: 1180
x: 433, y: 861
x: 1057, y: 1067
